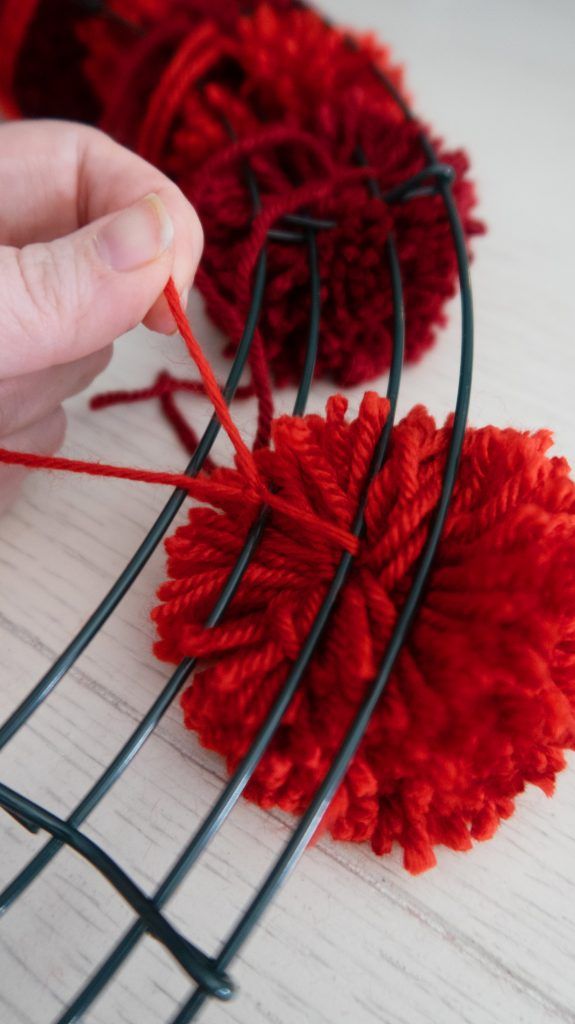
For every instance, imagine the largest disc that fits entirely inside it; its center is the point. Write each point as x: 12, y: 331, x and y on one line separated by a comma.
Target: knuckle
x: 57, y: 284
x: 45, y: 291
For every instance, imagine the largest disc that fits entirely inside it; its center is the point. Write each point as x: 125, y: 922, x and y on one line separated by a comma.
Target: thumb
x: 64, y: 299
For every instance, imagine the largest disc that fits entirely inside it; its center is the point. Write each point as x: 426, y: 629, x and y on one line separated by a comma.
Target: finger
x: 58, y: 176
x: 44, y: 437
x: 64, y: 299
x: 32, y: 396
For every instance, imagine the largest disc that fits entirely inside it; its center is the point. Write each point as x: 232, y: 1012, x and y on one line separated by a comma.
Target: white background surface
x: 485, y: 938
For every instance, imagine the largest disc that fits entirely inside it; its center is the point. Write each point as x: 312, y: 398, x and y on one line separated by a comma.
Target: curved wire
x: 145, y: 728
x: 310, y: 821
x: 407, y: 189
x: 296, y: 845
x: 134, y: 567
x: 193, y: 960
x: 240, y: 778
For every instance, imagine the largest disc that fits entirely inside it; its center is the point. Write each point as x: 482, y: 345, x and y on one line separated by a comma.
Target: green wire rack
x: 209, y: 974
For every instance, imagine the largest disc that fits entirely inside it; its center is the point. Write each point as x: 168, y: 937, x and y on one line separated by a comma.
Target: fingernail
x: 184, y: 296
x: 137, y: 235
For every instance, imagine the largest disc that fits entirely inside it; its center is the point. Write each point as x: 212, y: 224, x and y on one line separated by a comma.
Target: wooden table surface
x: 487, y: 937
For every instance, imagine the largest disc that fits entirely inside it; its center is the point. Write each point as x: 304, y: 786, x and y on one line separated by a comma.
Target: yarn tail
x: 255, y: 490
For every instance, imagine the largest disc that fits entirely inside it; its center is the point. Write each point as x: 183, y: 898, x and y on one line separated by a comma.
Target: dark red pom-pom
x: 482, y: 699
x: 303, y: 98
x: 357, y: 307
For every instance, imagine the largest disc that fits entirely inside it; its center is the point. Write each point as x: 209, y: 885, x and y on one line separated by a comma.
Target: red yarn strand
x: 244, y: 456
x: 181, y: 427
x: 165, y: 384
x: 253, y: 490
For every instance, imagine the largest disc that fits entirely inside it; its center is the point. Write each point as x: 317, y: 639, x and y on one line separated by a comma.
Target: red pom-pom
x: 302, y: 98
x: 482, y: 698
x: 357, y: 306
x: 295, y: 62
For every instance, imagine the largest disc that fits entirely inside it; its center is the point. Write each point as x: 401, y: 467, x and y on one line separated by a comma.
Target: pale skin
x: 89, y: 235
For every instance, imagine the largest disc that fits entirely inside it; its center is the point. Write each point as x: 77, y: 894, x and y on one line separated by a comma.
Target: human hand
x: 89, y: 234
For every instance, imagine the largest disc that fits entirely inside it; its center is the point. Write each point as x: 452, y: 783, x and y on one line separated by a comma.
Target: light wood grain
x: 487, y: 937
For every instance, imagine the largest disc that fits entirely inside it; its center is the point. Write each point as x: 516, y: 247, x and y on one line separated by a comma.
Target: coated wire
x: 146, y: 549
x: 210, y: 973
x: 311, y: 819
x: 192, y: 959
x: 179, y: 677
x: 240, y: 778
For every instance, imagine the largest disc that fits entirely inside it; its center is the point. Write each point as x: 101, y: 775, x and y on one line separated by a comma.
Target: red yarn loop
x: 165, y: 384
x: 164, y: 388
x: 243, y: 454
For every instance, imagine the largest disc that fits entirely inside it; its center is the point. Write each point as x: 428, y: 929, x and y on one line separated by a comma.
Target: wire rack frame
x: 210, y: 973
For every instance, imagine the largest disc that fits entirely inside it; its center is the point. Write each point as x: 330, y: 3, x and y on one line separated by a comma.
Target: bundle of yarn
x: 481, y: 701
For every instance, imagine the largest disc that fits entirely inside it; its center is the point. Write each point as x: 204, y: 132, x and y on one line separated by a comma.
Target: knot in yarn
x: 482, y: 698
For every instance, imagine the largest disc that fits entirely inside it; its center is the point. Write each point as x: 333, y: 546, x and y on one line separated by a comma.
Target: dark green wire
x: 308, y: 824
x: 311, y: 819
x: 237, y: 783
x: 144, y: 729
x: 134, y: 567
